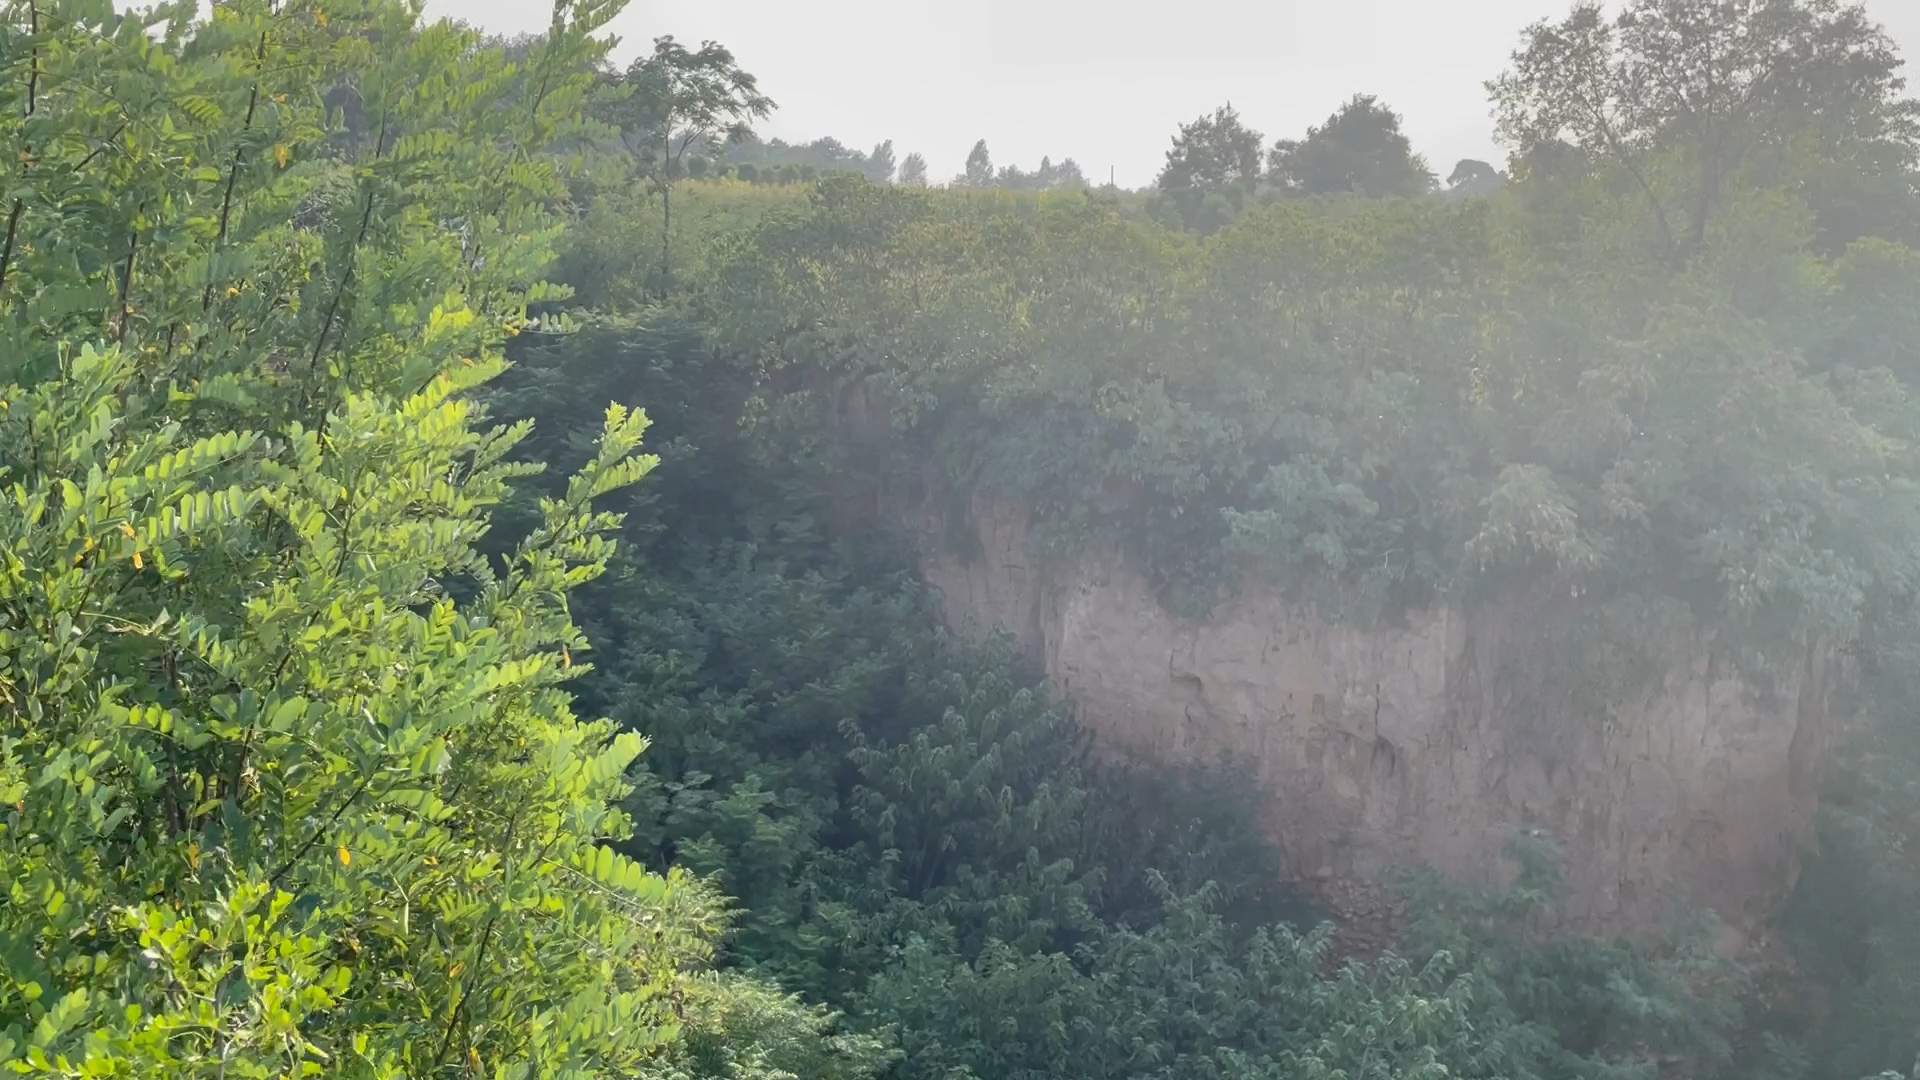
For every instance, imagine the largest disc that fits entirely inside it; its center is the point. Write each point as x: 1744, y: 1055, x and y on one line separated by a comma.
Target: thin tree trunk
x: 666, y: 238
x: 666, y: 215
x: 26, y: 156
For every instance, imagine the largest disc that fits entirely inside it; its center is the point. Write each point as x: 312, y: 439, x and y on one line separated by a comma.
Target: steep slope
x: 1432, y: 737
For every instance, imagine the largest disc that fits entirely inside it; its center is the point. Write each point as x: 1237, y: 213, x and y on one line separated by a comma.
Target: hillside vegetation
x: 371, y: 705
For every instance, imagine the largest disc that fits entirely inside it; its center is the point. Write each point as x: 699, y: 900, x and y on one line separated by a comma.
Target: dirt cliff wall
x: 1430, y: 739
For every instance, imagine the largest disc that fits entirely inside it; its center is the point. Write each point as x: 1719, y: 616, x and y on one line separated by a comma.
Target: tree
x: 1214, y: 153
x: 1048, y: 175
x: 825, y: 154
x: 1471, y: 177
x: 1681, y: 97
x: 291, y: 784
x: 675, y: 100
x: 1211, y: 170
x: 880, y: 163
x: 1358, y: 151
x: 979, y: 172
x: 913, y: 170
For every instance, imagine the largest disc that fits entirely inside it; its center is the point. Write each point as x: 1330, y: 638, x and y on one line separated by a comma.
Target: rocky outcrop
x: 1430, y: 739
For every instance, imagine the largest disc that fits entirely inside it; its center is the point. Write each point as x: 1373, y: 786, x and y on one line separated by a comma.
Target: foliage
x: 1184, y: 1000
x: 1358, y: 151
x: 1048, y: 175
x: 611, y: 253
x: 979, y: 171
x: 292, y: 786
x: 1403, y: 395
x: 1470, y: 177
x: 1213, y: 153
x: 1211, y: 171
x: 1852, y: 995
x: 1690, y: 100
x: 880, y: 163
x: 835, y: 742
x: 823, y: 155
x: 1383, y: 402
x: 742, y: 1029
x: 1597, y: 1000
x: 671, y: 101
x: 289, y: 780
x: 915, y: 835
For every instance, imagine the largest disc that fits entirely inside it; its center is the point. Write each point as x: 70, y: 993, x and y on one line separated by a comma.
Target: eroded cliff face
x: 1431, y: 739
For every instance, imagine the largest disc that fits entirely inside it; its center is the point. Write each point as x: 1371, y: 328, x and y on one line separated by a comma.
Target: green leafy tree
x: 1358, y: 151
x: 742, y: 1029
x: 826, y: 154
x: 674, y: 101
x: 1064, y: 175
x: 1692, y: 99
x: 1470, y: 177
x: 881, y: 163
x: 1212, y: 168
x: 1212, y: 154
x: 979, y: 169
x: 290, y: 783
x: 913, y: 170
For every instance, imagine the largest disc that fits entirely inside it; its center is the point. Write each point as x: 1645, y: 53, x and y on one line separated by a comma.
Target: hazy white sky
x: 1103, y: 83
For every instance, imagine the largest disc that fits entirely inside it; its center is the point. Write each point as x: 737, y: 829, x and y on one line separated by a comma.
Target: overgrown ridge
x: 1529, y: 558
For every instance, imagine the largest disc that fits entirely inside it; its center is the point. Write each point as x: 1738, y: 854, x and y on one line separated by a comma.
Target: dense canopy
x: 372, y: 705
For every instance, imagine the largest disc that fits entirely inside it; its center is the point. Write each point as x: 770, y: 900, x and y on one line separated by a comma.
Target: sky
x: 1103, y: 83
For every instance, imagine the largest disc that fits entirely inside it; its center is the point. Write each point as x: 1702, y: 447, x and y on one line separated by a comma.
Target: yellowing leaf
x: 280, y: 154
x: 346, y: 857
x: 126, y: 528
x: 137, y: 563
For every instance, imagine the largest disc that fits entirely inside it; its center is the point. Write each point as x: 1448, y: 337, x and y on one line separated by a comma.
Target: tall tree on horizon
x: 1211, y: 154
x: 979, y: 172
x: 674, y: 100
x: 1683, y: 96
x: 913, y: 170
x: 880, y: 163
x: 1471, y: 176
x: 1211, y: 169
x: 1360, y: 150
